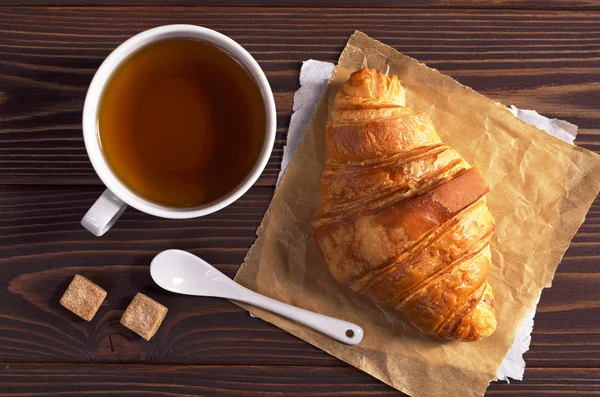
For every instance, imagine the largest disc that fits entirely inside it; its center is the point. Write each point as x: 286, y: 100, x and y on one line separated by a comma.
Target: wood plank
x: 42, y: 246
x: 241, y: 381
x: 542, y: 60
x: 429, y: 4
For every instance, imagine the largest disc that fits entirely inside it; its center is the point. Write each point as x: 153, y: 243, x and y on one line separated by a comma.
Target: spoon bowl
x: 184, y: 273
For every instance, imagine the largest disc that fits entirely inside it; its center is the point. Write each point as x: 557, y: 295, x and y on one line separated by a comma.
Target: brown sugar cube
x: 144, y: 316
x: 83, y: 297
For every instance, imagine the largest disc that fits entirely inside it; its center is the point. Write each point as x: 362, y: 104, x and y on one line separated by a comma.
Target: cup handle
x: 103, y: 214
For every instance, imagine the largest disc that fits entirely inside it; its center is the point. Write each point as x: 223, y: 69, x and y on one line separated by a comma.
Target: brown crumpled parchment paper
x: 540, y: 190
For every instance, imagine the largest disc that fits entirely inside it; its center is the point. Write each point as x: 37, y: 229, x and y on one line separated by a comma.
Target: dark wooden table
x: 542, y: 55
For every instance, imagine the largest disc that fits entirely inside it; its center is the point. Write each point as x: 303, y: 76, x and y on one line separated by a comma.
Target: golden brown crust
x: 403, y: 217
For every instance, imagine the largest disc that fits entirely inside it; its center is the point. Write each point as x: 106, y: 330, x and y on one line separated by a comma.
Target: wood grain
x: 547, y: 61
x: 428, y: 4
x: 253, y: 381
x: 42, y: 246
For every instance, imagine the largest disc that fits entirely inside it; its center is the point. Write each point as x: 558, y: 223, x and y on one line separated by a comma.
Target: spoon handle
x: 340, y: 330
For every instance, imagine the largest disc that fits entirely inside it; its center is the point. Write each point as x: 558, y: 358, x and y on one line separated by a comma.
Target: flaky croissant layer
x: 403, y: 217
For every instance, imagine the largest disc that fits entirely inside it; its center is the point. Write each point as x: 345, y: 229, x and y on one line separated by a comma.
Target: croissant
x: 403, y: 217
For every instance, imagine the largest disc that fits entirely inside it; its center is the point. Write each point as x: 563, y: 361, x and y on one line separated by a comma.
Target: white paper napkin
x: 314, y: 76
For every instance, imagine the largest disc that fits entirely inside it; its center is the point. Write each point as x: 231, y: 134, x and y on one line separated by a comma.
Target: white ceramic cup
x: 111, y: 204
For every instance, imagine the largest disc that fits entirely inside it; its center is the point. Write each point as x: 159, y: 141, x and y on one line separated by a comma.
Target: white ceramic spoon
x: 184, y: 273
